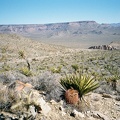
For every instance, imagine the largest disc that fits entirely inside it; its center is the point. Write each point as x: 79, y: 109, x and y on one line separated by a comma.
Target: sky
x: 57, y: 11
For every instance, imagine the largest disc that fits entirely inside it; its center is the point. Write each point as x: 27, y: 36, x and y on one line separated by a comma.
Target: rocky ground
x: 29, y: 81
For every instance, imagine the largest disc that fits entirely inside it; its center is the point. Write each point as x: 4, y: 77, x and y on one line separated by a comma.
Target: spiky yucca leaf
x: 26, y: 71
x: 82, y: 83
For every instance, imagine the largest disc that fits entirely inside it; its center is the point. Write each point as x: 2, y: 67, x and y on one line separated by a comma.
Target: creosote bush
x: 82, y: 83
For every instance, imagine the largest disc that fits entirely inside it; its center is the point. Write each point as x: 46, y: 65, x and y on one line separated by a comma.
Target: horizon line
x: 58, y: 23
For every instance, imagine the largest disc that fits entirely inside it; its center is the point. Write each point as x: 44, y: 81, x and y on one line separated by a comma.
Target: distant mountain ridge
x: 67, y: 28
x: 69, y: 31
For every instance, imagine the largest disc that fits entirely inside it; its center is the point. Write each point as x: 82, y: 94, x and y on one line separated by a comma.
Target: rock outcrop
x: 103, y: 47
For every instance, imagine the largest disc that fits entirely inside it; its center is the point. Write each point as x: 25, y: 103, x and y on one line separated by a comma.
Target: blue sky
x: 55, y: 11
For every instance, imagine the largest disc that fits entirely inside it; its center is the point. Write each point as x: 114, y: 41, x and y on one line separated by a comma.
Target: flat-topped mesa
x: 88, y: 22
x: 79, y: 31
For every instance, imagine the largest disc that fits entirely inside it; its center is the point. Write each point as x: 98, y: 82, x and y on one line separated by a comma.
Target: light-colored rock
x: 20, y: 85
x: 78, y: 114
x: 99, y: 115
x: 43, y: 105
x: 53, y: 102
x: 117, y: 98
x: 32, y: 110
x: 28, y: 96
x: 62, y: 110
x: 9, y: 115
x: 106, y: 95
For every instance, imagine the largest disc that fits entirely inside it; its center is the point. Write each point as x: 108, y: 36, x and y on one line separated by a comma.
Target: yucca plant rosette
x: 82, y: 83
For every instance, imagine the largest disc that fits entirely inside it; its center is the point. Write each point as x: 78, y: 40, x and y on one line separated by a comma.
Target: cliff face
x: 62, y: 29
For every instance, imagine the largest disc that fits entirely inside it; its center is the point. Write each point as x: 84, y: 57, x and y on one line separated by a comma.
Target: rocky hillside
x: 112, y: 46
x: 30, y: 75
x: 75, y: 34
x: 115, y: 44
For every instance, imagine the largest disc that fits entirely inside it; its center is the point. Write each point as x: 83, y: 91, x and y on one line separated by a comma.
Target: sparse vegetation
x: 75, y: 67
x: 26, y: 71
x: 4, y: 49
x: 56, y: 70
x: 6, y: 67
x: 7, y: 97
x: 3, y: 58
x: 21, y: 54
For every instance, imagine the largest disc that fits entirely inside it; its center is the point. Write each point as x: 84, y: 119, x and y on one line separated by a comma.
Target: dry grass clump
x: 3, y: 58
x: 5, y: 67
x: 7, y: 97
x: 56, y: 70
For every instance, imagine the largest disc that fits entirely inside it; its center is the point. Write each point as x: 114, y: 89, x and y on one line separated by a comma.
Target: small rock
x: 117, y: 98
x: 32, y: 110
x: 98, y: 115
x: 96, y: 98
x: 61, y: 102
x: 106, y: 95
x: 75, y: 113
x: 8, y: 116
x: 114, y: 92
x: 20, y: 85
x: 44, y: 106
x: 61, y: 108
x: 72, y: 114
x: 53, y: 102
x: 63, y: 113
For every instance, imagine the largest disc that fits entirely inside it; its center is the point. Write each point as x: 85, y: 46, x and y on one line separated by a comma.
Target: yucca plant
x: 21, y: 54
x: 26, y: 71
x: 82, y: 83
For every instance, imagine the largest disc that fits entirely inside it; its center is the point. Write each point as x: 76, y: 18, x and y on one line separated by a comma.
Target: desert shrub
x: 26, y: 71
x: 21, y: 54
x: 7, y: 97
x: 75, y: 67
x: 56, y: 70
x: 82, y: 83
x: 5, y: 67
x: 3, y: 58
x: 4, y: 49
x: 112, y: 80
